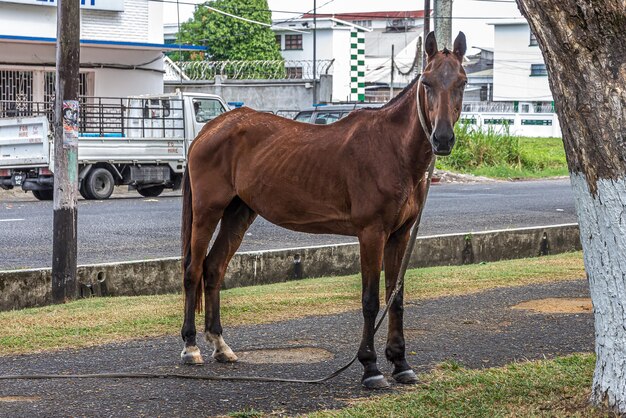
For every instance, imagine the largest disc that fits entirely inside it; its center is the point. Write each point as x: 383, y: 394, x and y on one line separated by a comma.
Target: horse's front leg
x: 372, y: 241
x: 193, y: 290
x: 395, y: 350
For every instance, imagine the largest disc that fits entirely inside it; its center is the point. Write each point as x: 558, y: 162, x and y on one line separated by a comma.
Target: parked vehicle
x: 138, y: 141
x: 327, y: 114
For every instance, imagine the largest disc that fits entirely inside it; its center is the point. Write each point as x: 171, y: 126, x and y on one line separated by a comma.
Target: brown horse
x: 362, y: 176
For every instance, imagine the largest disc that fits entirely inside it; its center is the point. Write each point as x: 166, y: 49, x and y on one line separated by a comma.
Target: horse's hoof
x: 375, y: 382
x: 191, y: 355
x: 226, y: 356
x: 407, y: 377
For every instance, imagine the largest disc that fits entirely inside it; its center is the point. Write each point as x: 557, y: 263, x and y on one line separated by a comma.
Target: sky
x: 469, y: 16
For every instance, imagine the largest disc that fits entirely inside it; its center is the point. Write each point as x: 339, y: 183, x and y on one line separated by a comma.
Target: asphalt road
x: 134, y: 228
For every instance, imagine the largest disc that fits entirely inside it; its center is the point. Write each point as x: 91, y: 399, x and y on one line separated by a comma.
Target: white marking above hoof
x: 225, y: 356
x: 192, y: 355
x: 375, y: 382
x: 222, y: 352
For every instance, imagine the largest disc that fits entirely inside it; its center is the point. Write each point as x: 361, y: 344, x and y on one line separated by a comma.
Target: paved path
x: 137, y: 228
x: 478, y: 330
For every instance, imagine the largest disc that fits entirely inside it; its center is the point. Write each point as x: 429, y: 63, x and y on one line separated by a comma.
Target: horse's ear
x: 430, y: 45
x: 460, y: 46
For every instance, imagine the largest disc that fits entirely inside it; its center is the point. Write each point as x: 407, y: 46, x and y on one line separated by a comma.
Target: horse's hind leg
x: 236, y: 220
x: 395, y: 350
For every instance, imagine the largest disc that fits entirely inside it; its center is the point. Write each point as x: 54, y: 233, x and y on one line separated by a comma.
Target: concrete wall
x: 27, y: 288
x: 260, y: 94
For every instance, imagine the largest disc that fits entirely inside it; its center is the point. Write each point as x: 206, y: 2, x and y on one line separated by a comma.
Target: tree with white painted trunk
x: 584, y: 47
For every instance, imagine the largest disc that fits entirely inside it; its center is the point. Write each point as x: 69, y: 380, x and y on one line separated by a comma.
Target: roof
x: 304, y: 22
x: 104, y: 43
x: 371, y: 15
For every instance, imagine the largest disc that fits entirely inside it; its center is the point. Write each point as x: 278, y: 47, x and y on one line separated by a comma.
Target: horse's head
x: 444, y: 82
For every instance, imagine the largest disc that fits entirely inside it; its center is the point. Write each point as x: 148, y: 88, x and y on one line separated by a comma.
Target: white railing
x: 522, y: 124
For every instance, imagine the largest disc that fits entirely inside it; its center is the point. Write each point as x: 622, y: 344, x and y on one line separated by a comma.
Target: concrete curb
x: 29, y: 288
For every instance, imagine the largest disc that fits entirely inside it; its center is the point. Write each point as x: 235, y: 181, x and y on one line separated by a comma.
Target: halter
x: 420, y: 112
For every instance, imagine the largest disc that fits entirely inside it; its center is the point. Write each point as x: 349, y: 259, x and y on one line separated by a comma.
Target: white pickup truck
x: 138, y: 141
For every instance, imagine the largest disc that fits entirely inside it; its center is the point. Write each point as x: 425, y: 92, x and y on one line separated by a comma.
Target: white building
x: 381, y: 30
x: 519, y: 72
x: 121, y: 48
x: 333, y: 43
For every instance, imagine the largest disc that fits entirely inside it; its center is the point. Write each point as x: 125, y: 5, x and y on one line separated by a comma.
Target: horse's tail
x: 185, y: 237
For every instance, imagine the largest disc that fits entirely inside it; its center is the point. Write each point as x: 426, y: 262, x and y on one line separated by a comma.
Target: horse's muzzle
x: 443, y: 146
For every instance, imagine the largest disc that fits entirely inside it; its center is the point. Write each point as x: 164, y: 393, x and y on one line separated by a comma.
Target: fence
x: 522, y: 124
x: 505, y: 107
x: 245, y: 70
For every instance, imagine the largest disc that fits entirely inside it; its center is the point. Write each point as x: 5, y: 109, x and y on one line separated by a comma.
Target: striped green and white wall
x: 357, y: 65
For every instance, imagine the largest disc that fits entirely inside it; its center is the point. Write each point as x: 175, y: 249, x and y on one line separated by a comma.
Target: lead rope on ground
x: 399, y: 285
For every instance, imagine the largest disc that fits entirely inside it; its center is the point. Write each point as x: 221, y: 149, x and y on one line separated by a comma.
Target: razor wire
x: 249, y: 70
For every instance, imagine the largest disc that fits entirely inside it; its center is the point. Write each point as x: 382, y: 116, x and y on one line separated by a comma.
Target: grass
x: 555, y: 388
x: 96, y: 321
x: 501, y: 155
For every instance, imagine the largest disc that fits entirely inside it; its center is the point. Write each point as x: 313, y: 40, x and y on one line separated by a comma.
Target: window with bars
x: 293, y: 42
x: 16, y: 86
x: 50, y: 81
x: 16, y: 93
x: 364, y: 23
x: 294, y: 72
x: 30, y: 93
x: 279, y: 40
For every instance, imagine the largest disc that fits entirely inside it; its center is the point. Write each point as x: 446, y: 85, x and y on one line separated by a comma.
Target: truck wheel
x: 47, y: 194
x: 83, y: 192
x: 153, y: 191
x: 99, y: 184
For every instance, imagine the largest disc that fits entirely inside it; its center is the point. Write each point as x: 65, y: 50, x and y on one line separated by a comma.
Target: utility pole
x: 443, y: 23
x: 314, y: 51
x: 426, y: 30
x: 391, y: 74
x: 64, y: 283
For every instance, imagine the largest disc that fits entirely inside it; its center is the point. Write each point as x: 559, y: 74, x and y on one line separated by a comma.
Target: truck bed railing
x: 113, y: 117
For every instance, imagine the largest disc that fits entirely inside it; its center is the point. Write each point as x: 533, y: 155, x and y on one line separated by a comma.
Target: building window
x: 279, y: 41
x: 538, y: 70
x: 533, y: 39
x: 400, y: 25
x: 294, y: 72
x: 364, y: 23
x: 293, y: 42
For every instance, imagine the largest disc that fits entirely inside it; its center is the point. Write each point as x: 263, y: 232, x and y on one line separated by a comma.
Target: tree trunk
x: 584, y: 46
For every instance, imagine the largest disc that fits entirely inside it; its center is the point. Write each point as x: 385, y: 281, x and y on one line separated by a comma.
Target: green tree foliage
x: 228, y: 38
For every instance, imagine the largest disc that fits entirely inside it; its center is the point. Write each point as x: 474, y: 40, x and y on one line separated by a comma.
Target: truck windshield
x: 207, y: 109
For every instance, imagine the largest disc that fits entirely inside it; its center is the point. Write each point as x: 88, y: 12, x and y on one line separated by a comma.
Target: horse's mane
x: 402, y: 93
